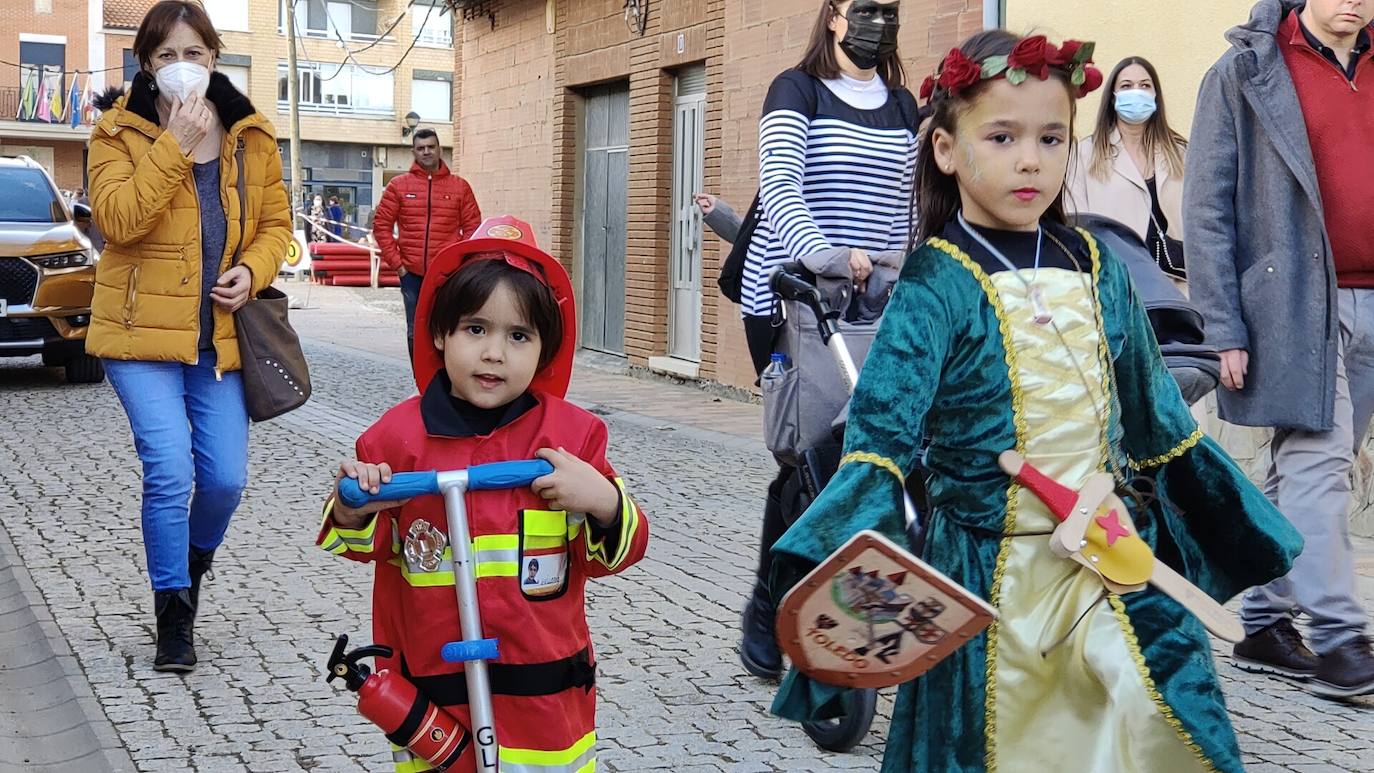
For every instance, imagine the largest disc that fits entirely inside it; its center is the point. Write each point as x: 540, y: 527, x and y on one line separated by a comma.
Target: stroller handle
x: 788, y: 283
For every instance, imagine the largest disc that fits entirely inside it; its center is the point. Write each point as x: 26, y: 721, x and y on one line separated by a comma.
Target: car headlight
x: 65, y: 260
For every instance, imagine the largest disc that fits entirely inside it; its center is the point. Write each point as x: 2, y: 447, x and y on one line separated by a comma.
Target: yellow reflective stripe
x: 406, y: 762
x: 330, y: 540
x: 413, y: 765
x: 494, y: 555
x: 496, y: 542
x: 539, y: 543
x: 426, y: 579
x: 544, y: 523
x: 359, y: 540
x: 574, y: 757
x: 629, y: 526
x: 629, y: 523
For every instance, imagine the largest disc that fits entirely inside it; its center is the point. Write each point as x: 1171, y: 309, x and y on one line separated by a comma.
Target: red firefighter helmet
x: 514, y: 240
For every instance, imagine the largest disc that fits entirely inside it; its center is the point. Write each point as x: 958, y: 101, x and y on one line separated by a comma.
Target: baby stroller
x: 827, y: 329
x: 1194, y: 363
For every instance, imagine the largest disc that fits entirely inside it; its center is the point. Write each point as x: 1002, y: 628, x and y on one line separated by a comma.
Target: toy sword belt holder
x: 872, y: 614
x: 1096, y: 531
x: 389, y: 699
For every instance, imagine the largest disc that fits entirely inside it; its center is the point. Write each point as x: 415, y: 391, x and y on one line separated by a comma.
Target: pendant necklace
x: 1040, y: 307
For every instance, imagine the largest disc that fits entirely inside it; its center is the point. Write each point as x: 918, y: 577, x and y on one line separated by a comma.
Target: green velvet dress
x: 1065, y: 679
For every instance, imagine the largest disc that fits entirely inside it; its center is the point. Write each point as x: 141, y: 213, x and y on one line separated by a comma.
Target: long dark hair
x: 819, y: 60
x: 935, y: 197
x: 1159, y: 136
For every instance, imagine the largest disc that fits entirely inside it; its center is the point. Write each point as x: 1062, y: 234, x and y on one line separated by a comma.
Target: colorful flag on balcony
x: 74, y: 101
x: 55, y: 96
x: 43, y: 110
x: 87, y: 106
x: 28, y: 92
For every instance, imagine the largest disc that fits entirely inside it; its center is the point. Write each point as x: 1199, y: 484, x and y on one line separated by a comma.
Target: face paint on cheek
x: 971, y: 161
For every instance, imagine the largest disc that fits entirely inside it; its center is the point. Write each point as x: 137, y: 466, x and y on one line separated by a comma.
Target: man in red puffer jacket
x: 430, y: 208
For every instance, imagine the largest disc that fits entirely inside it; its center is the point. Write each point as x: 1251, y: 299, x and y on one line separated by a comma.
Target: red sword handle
x: 1058, y: 498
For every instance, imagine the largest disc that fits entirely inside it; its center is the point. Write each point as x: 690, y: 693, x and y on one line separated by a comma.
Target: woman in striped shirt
x: 837, y: 155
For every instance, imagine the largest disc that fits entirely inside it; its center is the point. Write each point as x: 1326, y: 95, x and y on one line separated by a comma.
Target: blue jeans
x: 410, y: 294
x: 191, y: 432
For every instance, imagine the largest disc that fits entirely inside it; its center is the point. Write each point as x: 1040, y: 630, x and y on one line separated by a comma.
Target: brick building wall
x: 516, y: 117
x: 66, y: 18
x: 505, y: 147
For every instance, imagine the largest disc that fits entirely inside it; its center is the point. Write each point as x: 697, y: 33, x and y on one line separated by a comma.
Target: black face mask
x: 872, y: 33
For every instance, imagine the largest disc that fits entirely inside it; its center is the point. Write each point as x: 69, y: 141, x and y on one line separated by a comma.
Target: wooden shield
x: 874, y: 615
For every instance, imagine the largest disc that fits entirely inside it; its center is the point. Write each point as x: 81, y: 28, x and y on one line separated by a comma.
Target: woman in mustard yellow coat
x: 164, y: 178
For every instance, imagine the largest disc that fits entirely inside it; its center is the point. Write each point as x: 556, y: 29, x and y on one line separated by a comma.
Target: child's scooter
x: 472, y: 649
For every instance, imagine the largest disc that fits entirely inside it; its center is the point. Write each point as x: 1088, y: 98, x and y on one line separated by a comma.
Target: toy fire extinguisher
x: 391, y: 702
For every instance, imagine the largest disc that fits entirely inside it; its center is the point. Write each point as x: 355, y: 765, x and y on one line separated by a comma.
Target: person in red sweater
x: 421, y: 212
x: 1280, y: 176
x: 492, y: 364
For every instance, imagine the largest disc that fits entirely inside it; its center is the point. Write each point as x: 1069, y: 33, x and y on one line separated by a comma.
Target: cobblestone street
x: 672, y: 693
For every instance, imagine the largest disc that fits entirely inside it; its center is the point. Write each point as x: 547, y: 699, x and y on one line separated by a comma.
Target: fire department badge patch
x: 424, y: 546
x: 504, y: 231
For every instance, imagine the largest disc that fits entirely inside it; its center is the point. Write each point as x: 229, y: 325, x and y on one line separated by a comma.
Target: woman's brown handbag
x: 275, y: 376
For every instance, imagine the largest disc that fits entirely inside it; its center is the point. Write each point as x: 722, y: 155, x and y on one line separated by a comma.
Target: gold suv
x: 47, y: 272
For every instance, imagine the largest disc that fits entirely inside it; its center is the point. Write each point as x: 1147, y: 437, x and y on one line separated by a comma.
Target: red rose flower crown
x: 1031, y: 56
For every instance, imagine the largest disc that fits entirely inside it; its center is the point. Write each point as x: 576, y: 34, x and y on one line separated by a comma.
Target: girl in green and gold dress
x: 1010, y: 330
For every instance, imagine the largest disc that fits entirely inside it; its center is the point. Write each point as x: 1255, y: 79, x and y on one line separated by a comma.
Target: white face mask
x: 181, y: 79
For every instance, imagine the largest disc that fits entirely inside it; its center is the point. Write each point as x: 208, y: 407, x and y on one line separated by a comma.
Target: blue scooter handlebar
x: 403, y: 485
x: 500, y: 475
x: 482, y: 477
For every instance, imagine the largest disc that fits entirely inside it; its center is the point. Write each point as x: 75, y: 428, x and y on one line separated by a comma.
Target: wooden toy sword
x: 1096, y: 531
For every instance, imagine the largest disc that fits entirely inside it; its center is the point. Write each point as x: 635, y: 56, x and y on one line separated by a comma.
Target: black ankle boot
x: 758, y: 650
x: 199, y: 564
x: 175, y: 614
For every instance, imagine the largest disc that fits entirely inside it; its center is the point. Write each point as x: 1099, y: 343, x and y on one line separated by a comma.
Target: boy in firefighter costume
x: 495, y: 333
x: 1010, y: 330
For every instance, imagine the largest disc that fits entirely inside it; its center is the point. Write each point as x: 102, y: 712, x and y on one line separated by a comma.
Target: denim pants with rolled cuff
x: 191, y: 432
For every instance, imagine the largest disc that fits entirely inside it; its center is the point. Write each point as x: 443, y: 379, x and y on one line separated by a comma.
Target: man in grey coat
x: 1280, y: 173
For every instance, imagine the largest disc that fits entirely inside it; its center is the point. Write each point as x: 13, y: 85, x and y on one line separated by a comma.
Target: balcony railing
x: 9, y: 109
x: 343, y: 111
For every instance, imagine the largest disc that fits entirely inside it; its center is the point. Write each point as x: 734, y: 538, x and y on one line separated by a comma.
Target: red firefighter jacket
x: 431, y: 210
x: 532, y: 566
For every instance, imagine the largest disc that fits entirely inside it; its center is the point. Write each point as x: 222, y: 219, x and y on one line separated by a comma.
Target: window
x: 40, y: 77
x: 237, y: 75
x: 26, y: 196
x: 229, y: 15
x: 431, y: 24
x: 432, y: 98
x: 328, y: 89
x: 349, y: 19
x: 131, y: 67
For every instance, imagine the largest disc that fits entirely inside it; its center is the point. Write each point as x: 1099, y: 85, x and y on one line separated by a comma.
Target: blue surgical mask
x: 1135, y: 106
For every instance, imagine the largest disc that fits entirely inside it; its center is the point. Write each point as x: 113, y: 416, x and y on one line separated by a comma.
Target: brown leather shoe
x: 1277, y: 650
x: 1346, y: 671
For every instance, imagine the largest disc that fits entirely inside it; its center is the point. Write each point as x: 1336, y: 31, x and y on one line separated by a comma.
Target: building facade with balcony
x: 597, y: 119
x: 45, y: 47
x: 362, y: 67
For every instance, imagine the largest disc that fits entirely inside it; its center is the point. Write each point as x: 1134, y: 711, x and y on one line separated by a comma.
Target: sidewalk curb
x: 91, y: 728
